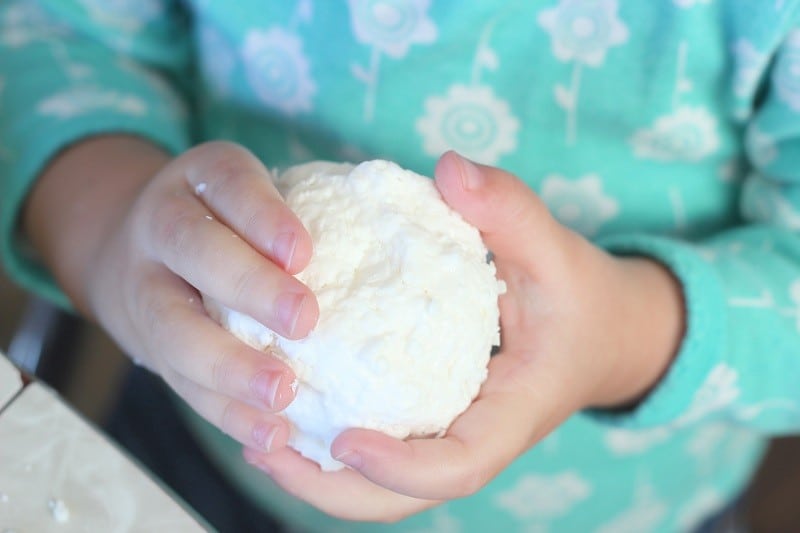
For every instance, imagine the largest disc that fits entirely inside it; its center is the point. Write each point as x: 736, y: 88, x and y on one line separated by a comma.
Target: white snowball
x: 408, y: 307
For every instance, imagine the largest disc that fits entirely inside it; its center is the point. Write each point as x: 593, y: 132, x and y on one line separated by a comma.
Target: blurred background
x: 91, y: 369
x: 92, y: 366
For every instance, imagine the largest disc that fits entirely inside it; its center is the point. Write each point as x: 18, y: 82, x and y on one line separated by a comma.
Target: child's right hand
x: 134, y: 237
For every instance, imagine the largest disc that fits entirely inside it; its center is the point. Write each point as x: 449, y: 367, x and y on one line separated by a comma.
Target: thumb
x: 503, y: 208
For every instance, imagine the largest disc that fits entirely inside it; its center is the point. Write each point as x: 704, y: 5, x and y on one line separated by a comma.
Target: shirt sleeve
x: 740, y: 358
x: 70, y: 69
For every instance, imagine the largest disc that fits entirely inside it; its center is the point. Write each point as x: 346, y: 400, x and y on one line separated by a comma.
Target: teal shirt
x: 666, y: 128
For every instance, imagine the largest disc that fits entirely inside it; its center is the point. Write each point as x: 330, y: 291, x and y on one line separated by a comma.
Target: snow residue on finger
x: 408, y: 307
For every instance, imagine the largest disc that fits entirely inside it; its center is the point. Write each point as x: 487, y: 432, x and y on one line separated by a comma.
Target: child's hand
x: 134, y: 256
x: 578, y: 329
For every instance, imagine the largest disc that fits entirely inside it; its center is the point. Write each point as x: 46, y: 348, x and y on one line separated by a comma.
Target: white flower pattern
x: 442, y: 521
x: 471, y: 120
x: 580, y: 204
x: 764, y: 201
x: 761, y: 146
x: 581, y: 31
x: 706, y: 440
x: 584, y: 30
x: 127, y: 15
x: 705, y: 501
x: 544, y: 496
x: 80, y: 101
x: 278, y: 70
x: 25, y: 22
x: 749, y: 64
x: 786, y: 75
x: 629, y: 442
x: 719, y: 390
x: 392, y: 26
x: 645, y: 514
x: 687, y: 134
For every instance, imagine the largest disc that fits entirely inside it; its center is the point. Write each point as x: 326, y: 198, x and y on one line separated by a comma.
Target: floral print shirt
x: 669, y: 128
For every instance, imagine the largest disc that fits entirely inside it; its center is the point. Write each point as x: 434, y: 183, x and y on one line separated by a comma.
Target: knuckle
x: 245, y: 281
x: 230, y: 168
x: 222, y: 370
x: 227, y: 422
x: 255, y: 219
x: 227, y: 170
x: 173, y: 223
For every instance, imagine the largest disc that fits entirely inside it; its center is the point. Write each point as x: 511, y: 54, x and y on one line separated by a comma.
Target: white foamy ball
x: 408, y: 309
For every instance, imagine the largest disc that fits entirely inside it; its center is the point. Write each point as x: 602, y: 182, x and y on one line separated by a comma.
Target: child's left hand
x: 578, y: 330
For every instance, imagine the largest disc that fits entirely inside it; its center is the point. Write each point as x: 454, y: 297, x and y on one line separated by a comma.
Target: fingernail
x: 283, y: 248
x: 351, y: 458
x: 471, y: 176
x: 265, y: 385
x: 264, y: 434
x: 289, y: 305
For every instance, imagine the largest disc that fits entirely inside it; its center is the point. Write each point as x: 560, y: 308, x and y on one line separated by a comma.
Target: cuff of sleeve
x: 27, y: 159
x: 705, y: 310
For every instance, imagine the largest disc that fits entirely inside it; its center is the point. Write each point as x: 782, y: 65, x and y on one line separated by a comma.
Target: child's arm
x: 131, y: 233
x: 65, y: 77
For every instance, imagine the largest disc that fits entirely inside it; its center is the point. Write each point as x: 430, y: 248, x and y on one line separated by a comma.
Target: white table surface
x: 59, y: 474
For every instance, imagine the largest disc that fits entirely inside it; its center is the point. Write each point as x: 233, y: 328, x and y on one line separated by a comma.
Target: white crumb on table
x: 58, y: 510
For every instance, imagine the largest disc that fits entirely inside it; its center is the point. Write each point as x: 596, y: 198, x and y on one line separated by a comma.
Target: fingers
x: 237, y: 188
x: 391, y: 478
x: 249, y: 426
x: 501, y: 206
x: 193, y: 346
x: 227, y: 383
x: 344, y: 494
x: 208, y: 255
x: 512, y: 413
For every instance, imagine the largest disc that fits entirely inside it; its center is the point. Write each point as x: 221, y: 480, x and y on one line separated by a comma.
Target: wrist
x: 79, y: 199
x: 649, y: 326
